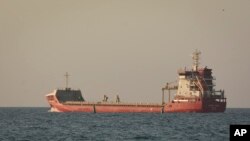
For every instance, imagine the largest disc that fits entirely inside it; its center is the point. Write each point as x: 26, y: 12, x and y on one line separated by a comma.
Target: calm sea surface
x: 35, y: 124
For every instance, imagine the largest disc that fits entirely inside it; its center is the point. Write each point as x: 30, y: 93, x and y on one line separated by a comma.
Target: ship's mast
x: 67, y: 79
x: 196, y: 58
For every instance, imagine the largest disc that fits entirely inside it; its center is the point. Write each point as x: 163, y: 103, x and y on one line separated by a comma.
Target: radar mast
x: 196, y: 58
x: 67, y: 79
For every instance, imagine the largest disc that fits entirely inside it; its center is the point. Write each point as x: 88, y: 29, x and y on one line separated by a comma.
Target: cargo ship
x: 194, y: 92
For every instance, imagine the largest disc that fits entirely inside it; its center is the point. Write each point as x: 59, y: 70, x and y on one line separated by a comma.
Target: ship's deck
x: 112, y: 104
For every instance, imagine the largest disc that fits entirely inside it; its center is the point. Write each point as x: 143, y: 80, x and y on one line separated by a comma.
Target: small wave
x: 146, y: 137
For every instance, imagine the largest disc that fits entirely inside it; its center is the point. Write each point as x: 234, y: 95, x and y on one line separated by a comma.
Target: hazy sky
x: 126, y: 47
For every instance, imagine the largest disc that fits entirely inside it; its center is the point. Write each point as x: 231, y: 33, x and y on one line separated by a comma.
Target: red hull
x: 105, y: 108
x: 204, y: 106
x: 184, y: 107
x: 197, y: 106
x: 127, y: 109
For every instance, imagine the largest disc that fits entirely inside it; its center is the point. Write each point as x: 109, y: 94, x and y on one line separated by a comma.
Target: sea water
x: 37, y: 124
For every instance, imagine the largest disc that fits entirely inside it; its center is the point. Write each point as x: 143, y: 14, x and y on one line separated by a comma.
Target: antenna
x: 196, y: 58
x: 67, y: 79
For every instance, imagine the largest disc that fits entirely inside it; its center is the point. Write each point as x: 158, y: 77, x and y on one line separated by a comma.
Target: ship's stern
x: 212, y: 105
